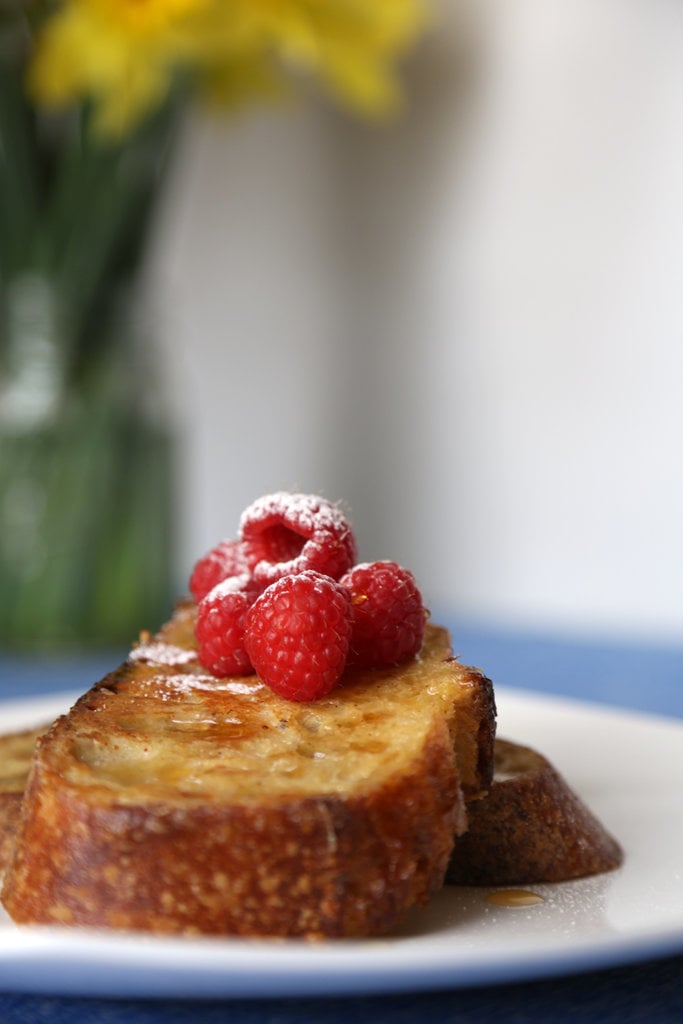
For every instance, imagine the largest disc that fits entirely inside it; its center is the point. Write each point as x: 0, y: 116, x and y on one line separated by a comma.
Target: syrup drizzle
x: 514, y: 898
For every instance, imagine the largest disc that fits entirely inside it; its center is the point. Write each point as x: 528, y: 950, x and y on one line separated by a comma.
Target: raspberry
x: 297, y: 635
x: 226, y: 559
x: 220, y: 627
x: 284, y: 534
x: 389, y: 617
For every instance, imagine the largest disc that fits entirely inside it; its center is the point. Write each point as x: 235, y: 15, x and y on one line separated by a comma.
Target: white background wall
x: 466, y: 325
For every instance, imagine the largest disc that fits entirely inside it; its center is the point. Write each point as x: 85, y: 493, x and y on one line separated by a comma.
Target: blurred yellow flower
x: 125, y: 55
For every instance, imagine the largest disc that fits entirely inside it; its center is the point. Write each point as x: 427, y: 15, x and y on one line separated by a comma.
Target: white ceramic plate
x: 628, y: 768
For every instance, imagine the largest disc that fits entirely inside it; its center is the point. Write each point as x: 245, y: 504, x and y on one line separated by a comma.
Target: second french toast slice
x: 531, y: 827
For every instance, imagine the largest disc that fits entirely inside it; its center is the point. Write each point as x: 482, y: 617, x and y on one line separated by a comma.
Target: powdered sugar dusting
x: 156, y: 652
x: 305, y: 513
x: 231, y: 585
x: 188, y: 682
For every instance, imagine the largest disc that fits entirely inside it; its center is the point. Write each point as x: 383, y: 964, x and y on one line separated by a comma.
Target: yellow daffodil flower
x: 126, y: 54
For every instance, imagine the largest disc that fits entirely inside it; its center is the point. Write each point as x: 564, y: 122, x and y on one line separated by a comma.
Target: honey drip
x: 514, y: 898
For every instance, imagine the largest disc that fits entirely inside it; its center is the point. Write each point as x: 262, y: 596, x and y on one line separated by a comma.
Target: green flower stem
x: 19, y: 203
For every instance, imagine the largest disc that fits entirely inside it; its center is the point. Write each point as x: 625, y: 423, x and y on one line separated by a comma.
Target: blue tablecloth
x: 632, y: 675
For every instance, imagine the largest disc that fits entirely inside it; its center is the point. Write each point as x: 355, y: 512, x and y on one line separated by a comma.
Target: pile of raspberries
x: 287, y: 600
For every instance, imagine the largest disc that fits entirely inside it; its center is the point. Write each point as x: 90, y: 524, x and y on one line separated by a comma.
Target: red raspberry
x: 297, y: 635
x: 220, y: 627
x: 226, y: 559
x: 389, y: 617
x: 284, y: 534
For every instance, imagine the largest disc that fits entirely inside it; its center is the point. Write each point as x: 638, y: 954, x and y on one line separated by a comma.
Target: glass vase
x: 86, y: 459
x: 86, y: 493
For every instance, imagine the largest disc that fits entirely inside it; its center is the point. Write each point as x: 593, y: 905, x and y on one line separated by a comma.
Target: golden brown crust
x: 531, y: 828
x: 475, y: 739
x: 169, y: 802
x: 10, y: 808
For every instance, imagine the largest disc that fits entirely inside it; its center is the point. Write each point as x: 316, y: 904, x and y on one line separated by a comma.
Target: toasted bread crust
x: 116, y: 833
x: 10, y: 809
x: 530, y: 828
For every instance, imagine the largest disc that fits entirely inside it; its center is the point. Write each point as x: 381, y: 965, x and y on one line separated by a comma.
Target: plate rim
x: 228, y: 967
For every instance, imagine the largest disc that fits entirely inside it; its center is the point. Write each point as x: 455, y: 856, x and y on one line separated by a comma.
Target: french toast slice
x: 490, y: 853
x: 530, y: 828
x: 170, y: 801
x: 16, y: 751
